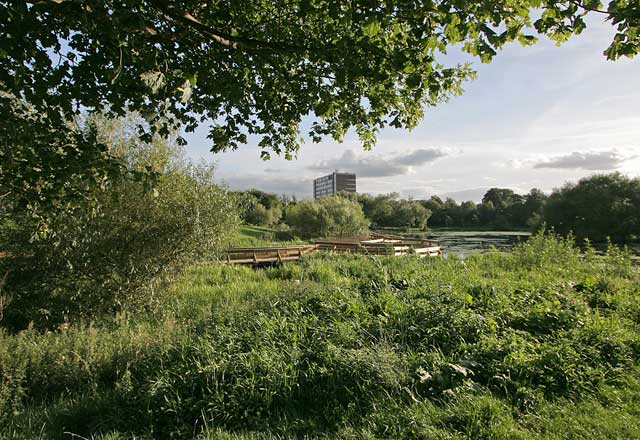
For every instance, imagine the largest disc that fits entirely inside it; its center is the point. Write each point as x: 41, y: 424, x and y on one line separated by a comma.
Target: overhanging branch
x: 222, y: 38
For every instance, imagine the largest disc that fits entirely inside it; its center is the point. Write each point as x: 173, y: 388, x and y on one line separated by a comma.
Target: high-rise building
x: 334, y: 183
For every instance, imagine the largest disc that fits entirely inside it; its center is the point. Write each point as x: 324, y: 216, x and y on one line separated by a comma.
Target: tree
x: 414, y: 215
x: 499, y: 197
x: 329, y: 216
x: 50, y: 166
x: 101, y: 259
x: 379, y: 209
x: 534, y: 208
x: 268, y: 200
x: 597, y: 207
x: 252, y: 68
x: 262, y: 216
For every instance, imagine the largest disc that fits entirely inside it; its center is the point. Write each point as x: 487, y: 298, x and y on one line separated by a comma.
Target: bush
x: 328, y: 216
x: 261, y: 216
x: 96, y: 260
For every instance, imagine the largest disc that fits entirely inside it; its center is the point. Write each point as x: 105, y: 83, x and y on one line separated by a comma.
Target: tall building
x: 334, y: 183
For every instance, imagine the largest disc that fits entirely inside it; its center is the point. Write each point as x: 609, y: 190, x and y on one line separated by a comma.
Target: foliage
x: 95, y: 261
x: 252, y: 68
x: 386, y: 210
x: 332, y: 216
x: 262, y: 216
x: 597, y: 207
x: 541, y: 343
x: 261, y: 208
x: 275, y: 62
x: 501, y: 208
x: 36, y: 145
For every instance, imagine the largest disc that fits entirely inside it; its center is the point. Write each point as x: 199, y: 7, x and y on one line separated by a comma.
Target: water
x: 465, y: 243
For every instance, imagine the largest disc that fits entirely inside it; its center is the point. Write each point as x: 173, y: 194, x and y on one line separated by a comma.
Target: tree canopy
x: 331, y: 216
x: 251, y: 68
x: 259, y: 67
x: 597, y: 207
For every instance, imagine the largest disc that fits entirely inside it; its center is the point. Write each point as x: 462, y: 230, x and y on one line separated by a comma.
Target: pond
x: 473, y: 242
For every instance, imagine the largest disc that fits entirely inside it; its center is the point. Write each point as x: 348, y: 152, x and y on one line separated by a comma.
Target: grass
x: 539, y: 343
x: 253, y: 236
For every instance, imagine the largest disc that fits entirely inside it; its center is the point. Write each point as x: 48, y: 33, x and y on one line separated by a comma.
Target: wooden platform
x: 382, y: 244
x: 268, y: 254
x: 372, y: 244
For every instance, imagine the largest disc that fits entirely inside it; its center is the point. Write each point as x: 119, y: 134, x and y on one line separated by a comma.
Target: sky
x: 536, y: 117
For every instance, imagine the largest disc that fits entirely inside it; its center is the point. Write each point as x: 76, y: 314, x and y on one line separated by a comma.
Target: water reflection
x: 473, y: 242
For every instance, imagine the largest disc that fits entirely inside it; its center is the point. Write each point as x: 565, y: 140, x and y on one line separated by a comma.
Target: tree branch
x: 186, y: 19
x: 222, y: 38
x: 580, y: 5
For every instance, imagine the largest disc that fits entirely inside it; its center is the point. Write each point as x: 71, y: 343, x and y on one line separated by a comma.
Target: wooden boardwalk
x: 268, y: 254
x: 373, y: 244
x: 378, y: 244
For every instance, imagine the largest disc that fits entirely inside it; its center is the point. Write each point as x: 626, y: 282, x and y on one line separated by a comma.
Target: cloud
x: 370, y: 165
x: 591, y: 161
x: 473, y: 194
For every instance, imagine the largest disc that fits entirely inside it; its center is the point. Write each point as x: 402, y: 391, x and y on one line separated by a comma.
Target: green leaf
x: 153, y: 79
x: 371, y: 28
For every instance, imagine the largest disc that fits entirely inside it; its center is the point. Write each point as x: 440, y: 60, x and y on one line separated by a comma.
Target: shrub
x: 96, y: 259
x: 262, y: 216
x: 328, y: 216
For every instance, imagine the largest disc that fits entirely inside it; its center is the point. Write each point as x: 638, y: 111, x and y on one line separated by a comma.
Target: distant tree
x: 326, y: 217
x: 379, y: 209
x: 436, y: 207
x: 499, y: 197
x: 267, y: 200
x: 260, y: 208
x: 597, y: 207
x: 469, y: 214
x: 487, y: 213
x: 259, y: 215
x: 409, y: 214
x: 534, y: 208
x: 502, y: 208
x: 433, y: 204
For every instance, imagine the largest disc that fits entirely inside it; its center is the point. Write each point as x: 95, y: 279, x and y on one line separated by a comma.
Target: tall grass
x: 529, y: 344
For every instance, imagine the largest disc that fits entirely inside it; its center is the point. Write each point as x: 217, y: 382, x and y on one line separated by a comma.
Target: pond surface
x: 473, y: 242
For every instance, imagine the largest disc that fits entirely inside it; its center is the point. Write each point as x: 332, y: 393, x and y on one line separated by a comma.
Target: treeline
x: 501, y: 208
x: 328, y: 216
x: 597, y: 207
x: 386, y: 210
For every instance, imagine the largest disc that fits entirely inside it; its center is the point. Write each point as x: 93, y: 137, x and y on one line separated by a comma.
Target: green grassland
x: 539, y: 343
x: 252, y: 236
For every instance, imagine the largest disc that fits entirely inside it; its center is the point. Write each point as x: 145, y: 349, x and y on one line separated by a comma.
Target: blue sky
x: 536, y: 116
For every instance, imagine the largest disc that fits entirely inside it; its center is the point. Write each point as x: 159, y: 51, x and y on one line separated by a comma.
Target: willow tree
x: 245, y: 67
